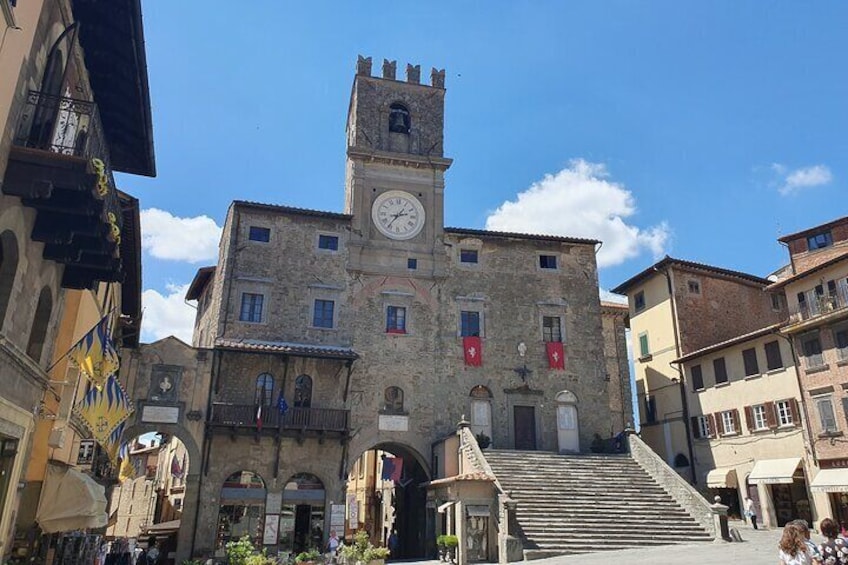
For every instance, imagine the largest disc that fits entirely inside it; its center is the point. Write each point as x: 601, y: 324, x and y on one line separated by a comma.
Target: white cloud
x: 167, y: 314
x: 792, y: 181
x: 608, y: 296
x: 580, y: 201
x: 172, y: 238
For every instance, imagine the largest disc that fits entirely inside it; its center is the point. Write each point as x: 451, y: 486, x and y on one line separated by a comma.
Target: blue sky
x: 702, y: 130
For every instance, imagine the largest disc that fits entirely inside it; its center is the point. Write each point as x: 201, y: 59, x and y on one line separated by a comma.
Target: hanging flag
x: 104, y: 410
x: 259, y: 417
x: 95, y: 355
x: 397, y: 470
x: 176, y: 470
x: 184, y: 468
x: 473, y: 350
x: 388, y: 468
x: 127, y: 469
x: 556, y: 354
x: 112, y: 444
x: 282, y: 405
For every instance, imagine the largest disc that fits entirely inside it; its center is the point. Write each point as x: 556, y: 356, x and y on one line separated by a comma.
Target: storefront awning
x: 70, y: 500
x: 164, y: 527
x: 442, y: 507
x: 830, y: 480
x: 721, y: 478
x: 477, y: 510
x: 774, y: 471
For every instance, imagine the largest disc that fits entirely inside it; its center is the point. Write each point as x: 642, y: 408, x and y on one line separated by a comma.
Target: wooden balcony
x: 59, y: 166
x: 295, y: 421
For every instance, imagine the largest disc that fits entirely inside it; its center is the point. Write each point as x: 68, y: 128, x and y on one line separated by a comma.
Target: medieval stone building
x: 333, y: 334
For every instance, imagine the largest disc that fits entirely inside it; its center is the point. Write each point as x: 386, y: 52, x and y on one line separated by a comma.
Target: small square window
x: 470, y: 323
x: 329, y: 242
x: 694, y: 287
x: 251, y: 307
x: 547, y: 262
x: 259, y: 234
x: 468, y: 256
x: 819, y: 241
x: 412, y: 264
x: 396, y: 320
x: 322, y: 316
x: 639, y: 301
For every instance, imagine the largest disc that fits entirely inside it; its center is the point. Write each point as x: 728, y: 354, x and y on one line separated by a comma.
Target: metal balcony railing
x: 295, y: 419
x: 72, y: 127
x: 819, y: 305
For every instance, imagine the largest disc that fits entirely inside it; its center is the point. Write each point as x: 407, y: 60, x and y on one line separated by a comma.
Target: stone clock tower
x: 394, y: 186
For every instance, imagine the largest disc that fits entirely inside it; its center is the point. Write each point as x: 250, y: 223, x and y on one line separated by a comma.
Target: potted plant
x: 362, y: 552
x: 440, y: 544
x: 451, y: 542
x: 308, y: 557
x: 239, y: 550
x: 483, y: 440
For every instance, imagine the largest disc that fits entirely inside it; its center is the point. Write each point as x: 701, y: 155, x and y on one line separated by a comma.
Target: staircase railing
x: 682, y: 492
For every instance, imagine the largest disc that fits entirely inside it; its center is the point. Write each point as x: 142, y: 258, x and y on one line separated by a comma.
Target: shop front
x: 723, y: 483
x: 833, y: 482
x: 783, y: 485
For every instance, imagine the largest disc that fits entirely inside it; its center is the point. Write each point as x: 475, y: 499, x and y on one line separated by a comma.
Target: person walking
x: 834, y: 550
x: 751, y: 511
x: 332, y: 546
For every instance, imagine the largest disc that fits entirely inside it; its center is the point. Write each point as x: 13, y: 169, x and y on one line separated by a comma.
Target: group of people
x: 796, y: 547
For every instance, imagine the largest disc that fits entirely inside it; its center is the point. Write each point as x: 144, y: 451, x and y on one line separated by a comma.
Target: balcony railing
x: 294, y: 419
x: 60, y: 167
x: 821, y: 305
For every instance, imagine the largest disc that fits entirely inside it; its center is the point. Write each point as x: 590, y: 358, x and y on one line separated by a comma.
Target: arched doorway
x: 302, y: 515
x: 241, y: 510
x: 385, y: 495
x: 568, y: 428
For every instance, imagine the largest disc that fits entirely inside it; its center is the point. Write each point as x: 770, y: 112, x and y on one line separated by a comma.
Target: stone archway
x: 185, y: 535
x: 385, y: 494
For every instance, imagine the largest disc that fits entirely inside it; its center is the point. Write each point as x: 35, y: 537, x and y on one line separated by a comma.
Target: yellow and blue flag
x: 127, y: 470
x: 95, y: 354
x: 104, y: 410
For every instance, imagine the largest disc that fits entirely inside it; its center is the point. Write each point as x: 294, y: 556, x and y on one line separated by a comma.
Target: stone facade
x: 359, y: 329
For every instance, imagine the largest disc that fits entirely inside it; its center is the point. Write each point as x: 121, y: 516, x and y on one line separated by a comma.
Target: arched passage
x: 8, y: 270
x: 385, y: 494
x: 190, y: 480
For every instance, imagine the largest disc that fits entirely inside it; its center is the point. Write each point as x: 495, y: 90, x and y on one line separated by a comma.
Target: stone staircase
x: 583, y: 503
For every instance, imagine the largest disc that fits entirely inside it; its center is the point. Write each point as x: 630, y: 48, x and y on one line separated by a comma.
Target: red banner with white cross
x: 556, y: 355
x: 473, y: 350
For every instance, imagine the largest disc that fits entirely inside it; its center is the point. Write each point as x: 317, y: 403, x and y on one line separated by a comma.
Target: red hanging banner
x: 473, y: 350
x: 556, y: 355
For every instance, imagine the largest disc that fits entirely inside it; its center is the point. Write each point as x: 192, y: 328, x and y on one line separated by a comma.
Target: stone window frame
x: 326, y: 251
x: 470, y: 245
x: 402, y: 109
x: 555, y: 308
x: 333, y: 321
x: 693, y: 285
x: 397, y: 299
x: 329, y: 292
x: 396, y: 405
x: 557, y: 260
x: 264, y: 308
x: 259, y: 226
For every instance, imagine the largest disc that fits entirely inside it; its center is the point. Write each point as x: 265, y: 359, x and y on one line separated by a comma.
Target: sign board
x: 160, y: 414
x: 353, y: 512
x: 392, y: 423
x: 337, y: 515
x: 274, y: 503
x: 272, y: 529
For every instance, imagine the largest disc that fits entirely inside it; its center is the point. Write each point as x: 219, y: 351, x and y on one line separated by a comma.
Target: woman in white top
x: 793, y: 547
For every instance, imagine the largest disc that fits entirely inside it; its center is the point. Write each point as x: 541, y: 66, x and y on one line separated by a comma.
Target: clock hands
x: 396, y: 216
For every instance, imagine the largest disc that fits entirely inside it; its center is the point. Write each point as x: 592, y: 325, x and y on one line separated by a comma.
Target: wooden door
x: 525, y: 427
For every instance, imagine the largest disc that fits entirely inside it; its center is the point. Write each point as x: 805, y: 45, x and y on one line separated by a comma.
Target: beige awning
x: 774, y: 471
x: 721, y: 478
x: 70, y: 500
x: 164, y: 527
x: 830, y: 480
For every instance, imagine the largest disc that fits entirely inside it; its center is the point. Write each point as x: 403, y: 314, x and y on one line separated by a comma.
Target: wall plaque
x: 165, y: 383
x: 160, y: 414
x: 272, y: 529
x: 391, y: 423
x: 337, y: 516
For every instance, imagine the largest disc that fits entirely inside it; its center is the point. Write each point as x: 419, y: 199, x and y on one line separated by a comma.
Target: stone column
x: 187, y: 518
x: 720, y: 519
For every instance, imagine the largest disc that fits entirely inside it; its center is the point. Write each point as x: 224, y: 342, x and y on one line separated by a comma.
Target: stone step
x: 575, y: 529
x: 547, y: 539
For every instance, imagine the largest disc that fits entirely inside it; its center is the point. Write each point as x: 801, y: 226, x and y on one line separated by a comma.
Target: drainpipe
x: 809, y: 429
x: 682, y: 385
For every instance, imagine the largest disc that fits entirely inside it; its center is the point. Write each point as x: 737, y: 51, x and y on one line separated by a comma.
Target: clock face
x: 398, y: 214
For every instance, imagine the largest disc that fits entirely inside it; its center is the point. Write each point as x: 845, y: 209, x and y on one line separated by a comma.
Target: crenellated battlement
x: 413, y: 72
